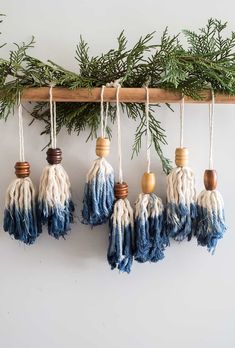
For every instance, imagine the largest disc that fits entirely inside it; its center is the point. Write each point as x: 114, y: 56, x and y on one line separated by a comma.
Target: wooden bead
x: 22, y: 169
x: 120, y: 190
x: 102, y: 147
x: 210, y: 179
x: 181, y: 157
x: 148, y: 182
x: 54, y: 156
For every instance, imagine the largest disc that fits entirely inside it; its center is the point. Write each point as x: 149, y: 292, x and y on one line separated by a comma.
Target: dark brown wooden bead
x: 210, y: 179
x: 54, y: 156
x: 22, y: 169
x: 120, y: 190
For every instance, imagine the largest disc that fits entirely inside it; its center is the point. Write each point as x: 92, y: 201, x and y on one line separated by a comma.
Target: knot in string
x: 21, y: 130
x: 52, y: 117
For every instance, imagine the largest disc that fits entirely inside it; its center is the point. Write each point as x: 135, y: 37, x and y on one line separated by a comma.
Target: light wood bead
x: 22, y: 169
x: 102, y: 147
x: 121, y: 190
x: 148, y: 182
x: 54, y: 156
x: 210, y: 179
x: 181, y: 157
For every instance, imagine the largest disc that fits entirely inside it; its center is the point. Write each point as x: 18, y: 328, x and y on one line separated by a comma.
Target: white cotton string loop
x: 21, y: 131
x: 106, y: 118
x: 102, y: 112
x: 52, y: 118
x: 211, y: 128
x: 182, y: 123
x: 119, y: 135
x: 148, y: 137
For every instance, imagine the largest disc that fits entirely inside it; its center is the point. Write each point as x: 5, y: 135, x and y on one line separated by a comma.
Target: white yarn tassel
x: 121, y: 236
x: 98, y: 196
x: 20, y: 215
x: 55, y: 203
x: 210, y: 224
x: 150, y: 238
x: 181, y: 194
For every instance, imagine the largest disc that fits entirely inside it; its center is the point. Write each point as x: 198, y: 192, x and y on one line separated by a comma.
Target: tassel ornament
x: 20, y: 215
x: 150, y: 238
x: 181, y: 193
x: 99, y: 188
x: 210, y: 224
x: 121, y: 233
x: 54, y: 201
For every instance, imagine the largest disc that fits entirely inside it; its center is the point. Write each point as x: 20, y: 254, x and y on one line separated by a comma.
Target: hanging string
x: 21, y: 131
x: 106, y: 117
x: 182, y: 123
x: 52, y: 118
x: 119, y: 134
x: 148, y: 137
x: 103, y: 120
x: 211, y: 128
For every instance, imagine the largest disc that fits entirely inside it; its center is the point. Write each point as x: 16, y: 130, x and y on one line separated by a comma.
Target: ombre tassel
x: 54, y: 202
x: 121, y: 235
x: 181, y: 203
x: 210, y: 225
x: 99, y: 188
x: 181, y: 193
x: 20, y: 215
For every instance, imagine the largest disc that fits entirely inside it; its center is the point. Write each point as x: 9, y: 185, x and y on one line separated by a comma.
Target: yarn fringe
x: 98, y: 193
x: 150, y: 237
x: 210, y: 225
x: 55, y: 204
x: 121, y: 236
x: 181, y: 203
x: 20, y: 215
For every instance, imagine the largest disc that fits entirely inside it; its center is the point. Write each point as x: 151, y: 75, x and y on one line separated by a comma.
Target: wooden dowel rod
x: 127, y: 95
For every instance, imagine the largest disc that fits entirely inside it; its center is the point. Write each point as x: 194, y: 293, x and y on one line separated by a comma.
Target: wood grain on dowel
x: 127, y: 95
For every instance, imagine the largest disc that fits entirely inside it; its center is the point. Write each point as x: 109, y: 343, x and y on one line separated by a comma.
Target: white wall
x: 61, y: 293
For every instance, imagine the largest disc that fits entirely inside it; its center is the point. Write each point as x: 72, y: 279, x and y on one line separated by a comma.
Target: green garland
x: 208, y: 61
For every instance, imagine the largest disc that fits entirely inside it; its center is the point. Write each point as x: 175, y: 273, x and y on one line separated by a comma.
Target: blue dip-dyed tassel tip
x: 98, y: 193
x: 150, y: 236
x: 181, y: 203
x: 121, y: 236
x: 210, y: 224
x: 54, y: 201
x: 20, y: 215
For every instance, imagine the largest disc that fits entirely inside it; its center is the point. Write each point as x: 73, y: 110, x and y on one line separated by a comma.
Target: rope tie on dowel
x: 20, y: 217
x: 210, y: 225
x: 148, y: 136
